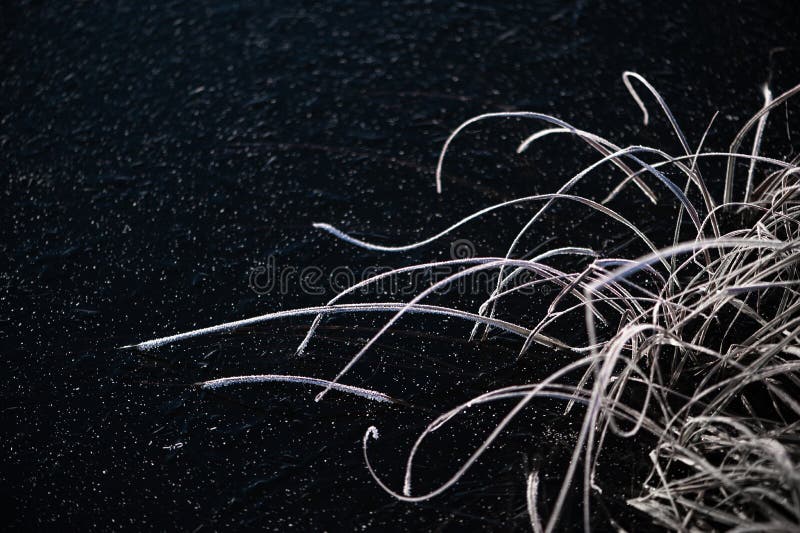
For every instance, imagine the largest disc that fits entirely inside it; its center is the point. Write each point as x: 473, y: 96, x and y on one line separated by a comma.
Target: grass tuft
x: 698, y: 346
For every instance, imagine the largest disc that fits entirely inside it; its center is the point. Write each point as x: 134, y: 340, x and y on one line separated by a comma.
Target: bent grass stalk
x: 708, y: 345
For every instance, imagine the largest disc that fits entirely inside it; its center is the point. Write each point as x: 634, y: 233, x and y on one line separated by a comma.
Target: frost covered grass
x: 695, y: 344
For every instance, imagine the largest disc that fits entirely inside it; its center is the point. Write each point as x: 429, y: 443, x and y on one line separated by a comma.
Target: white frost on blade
x: 260, y: 378
x: 531, y: 493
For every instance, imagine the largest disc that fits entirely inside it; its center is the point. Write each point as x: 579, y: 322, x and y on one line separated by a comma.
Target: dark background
x: 153, y: 153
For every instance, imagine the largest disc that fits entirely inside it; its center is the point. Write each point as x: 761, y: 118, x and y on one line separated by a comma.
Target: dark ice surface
x: 154, y: 153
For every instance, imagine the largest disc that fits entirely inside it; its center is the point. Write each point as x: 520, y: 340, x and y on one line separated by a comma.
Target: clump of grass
x: 695, y: 344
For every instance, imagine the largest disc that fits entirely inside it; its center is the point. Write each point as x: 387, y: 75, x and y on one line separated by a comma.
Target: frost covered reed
x: 695, y: 344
